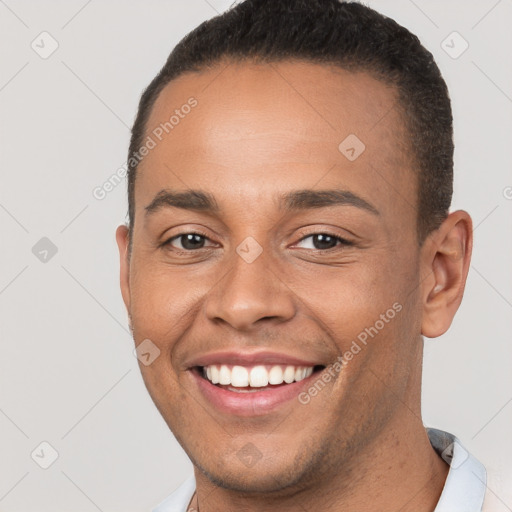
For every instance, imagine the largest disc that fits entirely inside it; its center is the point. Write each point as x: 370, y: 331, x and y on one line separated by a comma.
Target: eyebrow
x: 306, y: 199
x: 188, y: 200
x: 200, y: 201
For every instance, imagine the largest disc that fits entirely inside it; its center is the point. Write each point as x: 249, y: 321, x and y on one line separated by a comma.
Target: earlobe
x: 122, y: 239
x: 446, y: 262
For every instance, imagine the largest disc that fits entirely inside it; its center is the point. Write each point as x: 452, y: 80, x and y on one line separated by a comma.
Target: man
x: 289, y: 245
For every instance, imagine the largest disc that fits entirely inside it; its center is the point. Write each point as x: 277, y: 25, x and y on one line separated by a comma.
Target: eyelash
x: 343, y: 241
x: 167, y: 243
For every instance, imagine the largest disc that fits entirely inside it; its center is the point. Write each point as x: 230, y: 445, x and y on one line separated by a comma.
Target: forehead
x: 259, y: 127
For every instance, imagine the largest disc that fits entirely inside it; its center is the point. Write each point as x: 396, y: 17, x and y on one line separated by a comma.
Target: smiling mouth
x: 250, y: 379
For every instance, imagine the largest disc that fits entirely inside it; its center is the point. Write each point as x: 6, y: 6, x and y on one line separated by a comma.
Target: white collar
x: 465, y: 485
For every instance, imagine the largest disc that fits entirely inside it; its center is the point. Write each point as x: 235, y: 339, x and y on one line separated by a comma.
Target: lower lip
x: 253, y: 403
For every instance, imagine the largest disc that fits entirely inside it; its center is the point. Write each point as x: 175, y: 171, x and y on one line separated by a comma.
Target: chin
x: 265, y: 475
x: 248, y: 481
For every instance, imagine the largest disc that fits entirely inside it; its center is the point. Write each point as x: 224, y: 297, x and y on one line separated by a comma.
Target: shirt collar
x: 465, y: 485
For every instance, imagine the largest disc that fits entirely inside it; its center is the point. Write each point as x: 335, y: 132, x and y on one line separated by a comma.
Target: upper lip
x: 250, y: 359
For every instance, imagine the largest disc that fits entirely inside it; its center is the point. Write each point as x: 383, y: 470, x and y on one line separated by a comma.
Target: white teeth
x: 239, y: 377
x: 224, y: 375
x: 275, y: 375
x: 257, y: 376
x: 215, y: 374
x: 289, y: 374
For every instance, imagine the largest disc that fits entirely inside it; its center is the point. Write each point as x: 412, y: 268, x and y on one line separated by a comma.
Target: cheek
x: 159, y: 310
x: 161, y: 302
x: 367, y: 311
x: 347, y: 299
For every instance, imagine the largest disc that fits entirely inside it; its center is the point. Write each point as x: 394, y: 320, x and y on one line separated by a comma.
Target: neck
x: 399, y: 471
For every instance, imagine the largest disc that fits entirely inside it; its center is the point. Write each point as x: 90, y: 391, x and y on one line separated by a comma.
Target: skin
x: 259, y: 131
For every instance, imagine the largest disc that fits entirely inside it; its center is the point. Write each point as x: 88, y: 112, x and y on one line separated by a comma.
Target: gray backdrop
x: 71, y: 76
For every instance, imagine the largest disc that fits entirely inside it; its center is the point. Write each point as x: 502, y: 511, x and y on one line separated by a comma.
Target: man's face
x: 269, y: 278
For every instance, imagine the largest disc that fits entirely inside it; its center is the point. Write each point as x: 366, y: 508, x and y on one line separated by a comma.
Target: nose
x: 249, y: 294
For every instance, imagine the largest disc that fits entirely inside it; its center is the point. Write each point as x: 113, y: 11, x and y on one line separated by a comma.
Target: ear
x: 123, y: 239
x: 446, y: 255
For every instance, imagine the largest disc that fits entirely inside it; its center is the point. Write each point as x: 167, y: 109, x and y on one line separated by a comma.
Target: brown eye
x: 187, y: 241
x: 324, y: 241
